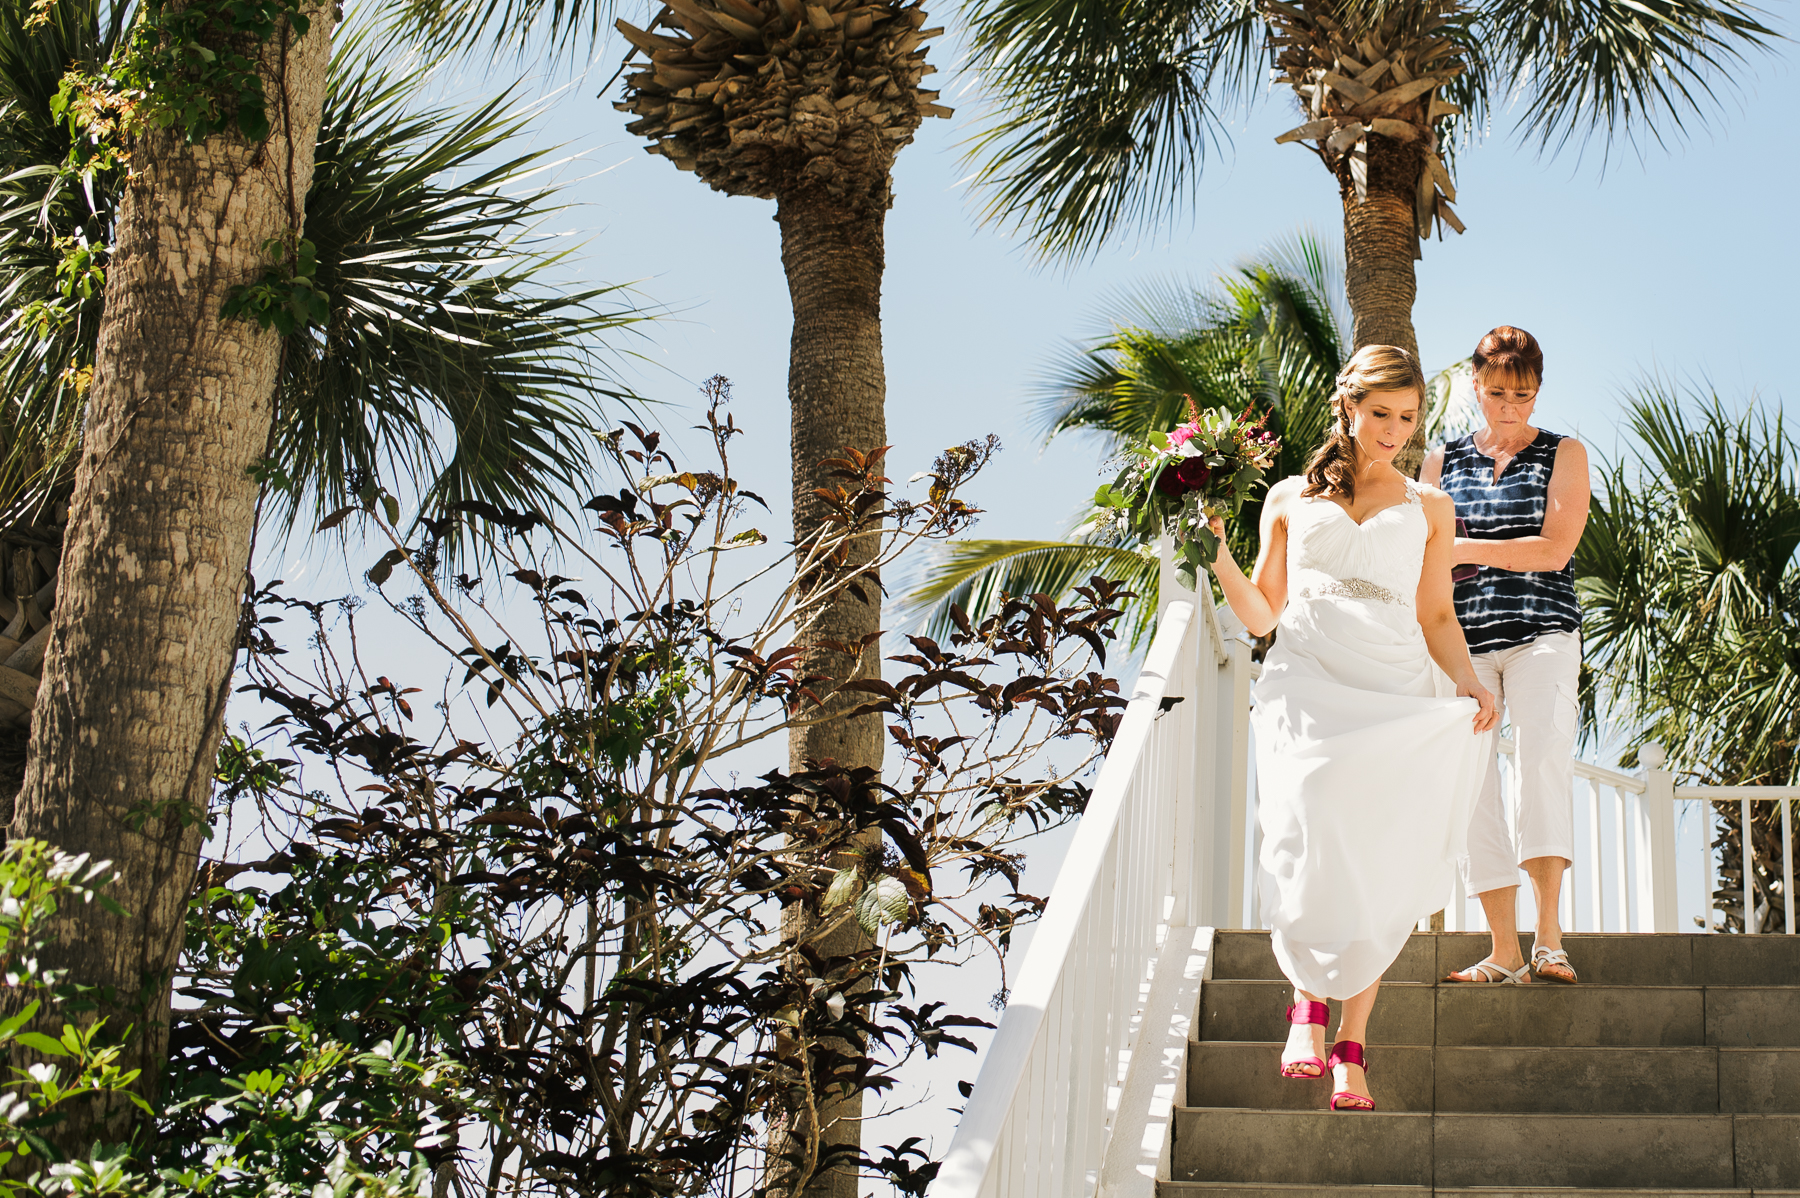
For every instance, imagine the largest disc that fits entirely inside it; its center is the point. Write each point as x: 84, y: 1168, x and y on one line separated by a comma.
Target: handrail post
x: 1168, y: 586
x: 1191, y: 809
x: 1232, y: 773
x: 1656, y: 842
x: 1747, y: 853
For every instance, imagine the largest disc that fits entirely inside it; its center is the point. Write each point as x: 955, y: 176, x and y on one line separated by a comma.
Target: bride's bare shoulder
x: 1285, y: 492
x: 1437, y: 503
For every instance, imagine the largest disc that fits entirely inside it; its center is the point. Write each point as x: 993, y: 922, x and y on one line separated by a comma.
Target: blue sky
x: 1681, y: 260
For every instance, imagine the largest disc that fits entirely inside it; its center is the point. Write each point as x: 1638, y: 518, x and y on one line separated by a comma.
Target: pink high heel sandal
x: 1306, y: 1068
x: 1349, y: 1052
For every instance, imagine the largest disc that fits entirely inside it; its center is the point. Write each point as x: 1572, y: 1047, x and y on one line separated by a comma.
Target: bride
x: 1367, y: 764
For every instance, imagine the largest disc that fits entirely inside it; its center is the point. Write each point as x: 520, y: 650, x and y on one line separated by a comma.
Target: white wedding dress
x: 1367, y: 764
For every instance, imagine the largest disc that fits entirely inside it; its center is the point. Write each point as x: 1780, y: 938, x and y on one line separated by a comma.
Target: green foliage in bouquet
x: 1177, y: 481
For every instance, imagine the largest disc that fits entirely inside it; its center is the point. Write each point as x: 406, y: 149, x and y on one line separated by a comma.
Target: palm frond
x: 1104, y: 109
x: 977, y: 575
x: 1616, y: 68
x: 1265, y: 336
x: 48, y: 320
x: 1454, y: 410
x: 454, y: 367
x: 1690, y: 591
x: 523, y: 27
x: 1269, y: 333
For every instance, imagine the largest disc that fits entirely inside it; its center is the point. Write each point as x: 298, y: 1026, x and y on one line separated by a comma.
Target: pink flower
x: 1182, y: 434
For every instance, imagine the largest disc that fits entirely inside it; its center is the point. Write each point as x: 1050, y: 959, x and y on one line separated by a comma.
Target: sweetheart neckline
x: 1409, y: 501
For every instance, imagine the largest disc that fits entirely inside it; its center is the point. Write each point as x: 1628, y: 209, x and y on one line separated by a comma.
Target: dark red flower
x: 1189, y: 474
x: 1193, y: 472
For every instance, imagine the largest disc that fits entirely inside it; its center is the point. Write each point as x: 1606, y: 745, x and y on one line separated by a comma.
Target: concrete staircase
x: 1673, y: 1069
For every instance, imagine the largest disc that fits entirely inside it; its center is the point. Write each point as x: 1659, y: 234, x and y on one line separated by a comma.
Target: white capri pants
x: 1537, y: 683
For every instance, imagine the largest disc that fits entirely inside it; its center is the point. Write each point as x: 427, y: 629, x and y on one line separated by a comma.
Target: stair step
x: 1233, y: 1010
x: 1282, y: 1189
x: 1248, y: 956
x: 1760, y: 1080
x: 1753, y: 1016
x: 1289, y: 1189
x: 1247, y: 1076
x: 1664, y: 1081
x: 1382, y: 1148
x: 1232, y: 1189
x: 1544, y: 1016
x: 1603, y: 958
x: 1535, y: 1151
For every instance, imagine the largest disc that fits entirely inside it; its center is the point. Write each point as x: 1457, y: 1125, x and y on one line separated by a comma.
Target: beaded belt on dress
x: 1350, y: 588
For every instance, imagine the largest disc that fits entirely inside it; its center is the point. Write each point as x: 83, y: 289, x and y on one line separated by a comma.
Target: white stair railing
x: 1157, y: 860
x: 1627, y: 866
x: 1704, y: 797
x: 1139, y: 875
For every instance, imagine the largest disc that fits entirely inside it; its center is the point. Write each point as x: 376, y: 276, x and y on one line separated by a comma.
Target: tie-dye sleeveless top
x: 1501, y: 609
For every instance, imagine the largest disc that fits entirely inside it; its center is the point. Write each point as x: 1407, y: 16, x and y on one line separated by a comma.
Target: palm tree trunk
x: 138, y: 668
x: 833, y: 253
x: 1381, y: 243
x: 837, y: 392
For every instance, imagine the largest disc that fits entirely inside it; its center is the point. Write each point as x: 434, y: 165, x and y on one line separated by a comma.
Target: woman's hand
x: 1488, y: 716
x: 1216, y: 525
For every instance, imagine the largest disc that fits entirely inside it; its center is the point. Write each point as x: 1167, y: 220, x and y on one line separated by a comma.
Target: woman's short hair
x: 1510, y: 357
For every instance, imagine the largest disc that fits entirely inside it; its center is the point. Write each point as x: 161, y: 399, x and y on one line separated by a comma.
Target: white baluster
x: 1595, y: 889
x: 1186, y: 806
x: 1656, y: 842
x: 1234, y: 762
x: 1212, y: 820
x: 1787, y: 863
x: 1621, y: 877
x: 1748, y: 856
x: 1708, y: 866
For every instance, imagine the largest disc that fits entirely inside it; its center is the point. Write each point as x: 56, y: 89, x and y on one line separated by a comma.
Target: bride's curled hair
x: 1332, y: 470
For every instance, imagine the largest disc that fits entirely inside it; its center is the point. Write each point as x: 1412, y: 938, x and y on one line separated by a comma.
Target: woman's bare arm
x: 1258, y: 600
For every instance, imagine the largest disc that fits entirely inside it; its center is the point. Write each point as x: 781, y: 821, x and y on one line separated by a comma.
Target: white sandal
x: 1540, y: 957
x: 1492, y: 974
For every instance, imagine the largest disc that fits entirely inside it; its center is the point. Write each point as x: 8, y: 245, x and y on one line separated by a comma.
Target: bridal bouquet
x: 1178, y: 480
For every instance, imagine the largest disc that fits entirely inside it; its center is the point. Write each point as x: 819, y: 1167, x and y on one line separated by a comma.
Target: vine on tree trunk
x: 194, y: 69
x: 288, y: 296
x: 191, y: 67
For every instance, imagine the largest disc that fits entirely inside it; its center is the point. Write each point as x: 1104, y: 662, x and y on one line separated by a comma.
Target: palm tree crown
x: 1105, y: 111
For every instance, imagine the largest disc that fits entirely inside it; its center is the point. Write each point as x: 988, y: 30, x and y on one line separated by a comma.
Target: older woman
x: 1522, y: 492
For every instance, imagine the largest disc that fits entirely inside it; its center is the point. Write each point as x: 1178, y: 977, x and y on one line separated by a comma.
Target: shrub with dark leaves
x: 560, y: 881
